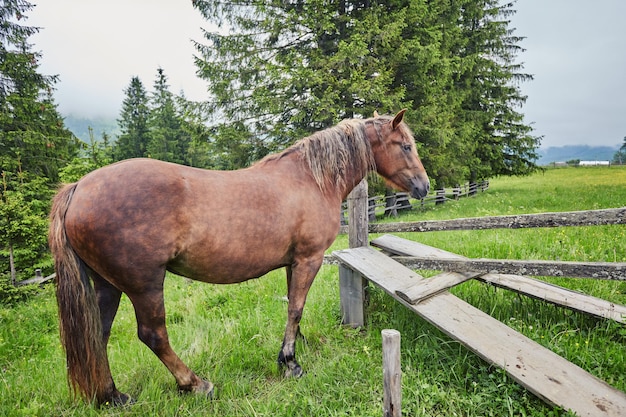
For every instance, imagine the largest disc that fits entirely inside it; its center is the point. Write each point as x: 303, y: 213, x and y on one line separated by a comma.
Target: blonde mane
x: 330, y: 153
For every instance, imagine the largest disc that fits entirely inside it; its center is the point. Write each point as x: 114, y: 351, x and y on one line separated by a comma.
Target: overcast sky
x: 576, y: 50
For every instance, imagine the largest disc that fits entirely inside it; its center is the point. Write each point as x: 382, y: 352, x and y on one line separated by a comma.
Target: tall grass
x: 231, y: 334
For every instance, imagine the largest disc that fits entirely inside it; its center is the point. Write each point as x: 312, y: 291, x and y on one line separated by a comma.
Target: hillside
x: 80, y: 127
x: 582, y: 152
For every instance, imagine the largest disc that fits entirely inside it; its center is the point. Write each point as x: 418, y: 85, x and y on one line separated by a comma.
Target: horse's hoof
x: 205, y: 388
x: 294, y: 372
x: 118, y: 400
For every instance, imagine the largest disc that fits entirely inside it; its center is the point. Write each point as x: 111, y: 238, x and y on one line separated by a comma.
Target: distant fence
x: 390, y: 205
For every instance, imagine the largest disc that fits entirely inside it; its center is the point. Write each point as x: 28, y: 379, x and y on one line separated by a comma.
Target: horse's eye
x: 406, y: 146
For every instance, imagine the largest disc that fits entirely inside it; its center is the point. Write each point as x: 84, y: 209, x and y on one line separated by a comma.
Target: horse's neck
x: 352, y: 180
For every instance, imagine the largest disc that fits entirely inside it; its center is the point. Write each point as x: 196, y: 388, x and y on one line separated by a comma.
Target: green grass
x: 231, y: 334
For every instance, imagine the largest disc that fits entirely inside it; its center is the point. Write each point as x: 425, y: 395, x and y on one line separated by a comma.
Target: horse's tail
x: 79, y: 315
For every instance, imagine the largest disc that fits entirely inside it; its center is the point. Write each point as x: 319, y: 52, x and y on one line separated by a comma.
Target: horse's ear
x: 398, y: 118
x: 376, y: 113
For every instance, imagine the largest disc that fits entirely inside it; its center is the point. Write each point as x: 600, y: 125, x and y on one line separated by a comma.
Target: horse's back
x: 217, y: 226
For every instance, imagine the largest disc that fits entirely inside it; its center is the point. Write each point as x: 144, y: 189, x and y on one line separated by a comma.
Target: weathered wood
x: 437, y: 259
x: 37, y: 280
x: 540, y: 370
x: 352, y: 297
x: 357, y: 216
x: 524, y: 285
x: 352, y: 285
x: 419, y: 256
x: 572, y: 218
x: 434, y: 285
x: 404, y: 247
x: 392, y: 374
x: 596, y: 270
x: 403, y: 203
x: 557, y: 295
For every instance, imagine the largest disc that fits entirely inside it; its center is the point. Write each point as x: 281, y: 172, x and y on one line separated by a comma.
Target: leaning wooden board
x: 540, y: 370
x: 522, y: 284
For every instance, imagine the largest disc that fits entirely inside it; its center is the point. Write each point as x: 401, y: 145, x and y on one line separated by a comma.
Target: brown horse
x: 124, y: 225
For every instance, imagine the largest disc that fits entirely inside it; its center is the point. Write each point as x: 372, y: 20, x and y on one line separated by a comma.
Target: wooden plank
x: 438, y: 259
x: 557, y: 295
x: 386, y: 274
x: 520, y: 221
x: 540, y: 370
x: 404, y: 247
x: 524, y: 285
x: 596, y: 270
x: 352, y: 297
x: 36, y: 280
x: 428, y: 287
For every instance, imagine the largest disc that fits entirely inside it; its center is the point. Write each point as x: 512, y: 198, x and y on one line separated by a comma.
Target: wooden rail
x: 597, y: 270
x: 402, y: 248
x: 520, y: 221
x: 390, y: 205
x: 38, y: 279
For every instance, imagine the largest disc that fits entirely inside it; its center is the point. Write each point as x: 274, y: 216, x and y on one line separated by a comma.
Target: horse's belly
x: 224, y: 269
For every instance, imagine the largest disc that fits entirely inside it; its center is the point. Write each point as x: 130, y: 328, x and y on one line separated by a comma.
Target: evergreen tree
x: 32, y: 135
x: 34, y: 144
x: 168, y: 142
x: 93, y: 155
x: 194, y: 125
x: 133, y: 122
x: 295, y: 67
x: 287, y: 68
x: 620, y: 156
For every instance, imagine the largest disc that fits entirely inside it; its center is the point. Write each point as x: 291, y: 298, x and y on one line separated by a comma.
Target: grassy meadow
x: 232, y: 334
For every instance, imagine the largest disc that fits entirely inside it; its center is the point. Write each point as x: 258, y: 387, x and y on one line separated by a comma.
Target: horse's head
x: 396, y: 157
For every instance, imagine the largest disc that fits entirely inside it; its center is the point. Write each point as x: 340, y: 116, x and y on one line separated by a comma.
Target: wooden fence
x: 544, y: 373
x: 390, y: 205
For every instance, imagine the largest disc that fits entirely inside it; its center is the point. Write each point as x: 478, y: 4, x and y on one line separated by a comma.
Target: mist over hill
x: 79, y: 126
x: 582, y: 152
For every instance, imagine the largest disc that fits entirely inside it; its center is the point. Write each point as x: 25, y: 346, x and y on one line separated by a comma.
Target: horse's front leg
x: 300, y: 276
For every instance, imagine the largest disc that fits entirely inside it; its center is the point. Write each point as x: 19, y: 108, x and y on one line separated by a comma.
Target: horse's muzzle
x: 419, y: 187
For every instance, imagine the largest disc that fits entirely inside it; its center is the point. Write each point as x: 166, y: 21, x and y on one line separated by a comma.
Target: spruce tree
x: 133, y: 123
x: 287, y: 68
x: 34, y: 144
x: 33, y: 138
x: 168, y: 142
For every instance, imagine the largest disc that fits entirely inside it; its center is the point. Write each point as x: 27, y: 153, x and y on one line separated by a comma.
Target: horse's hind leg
x: 150, y: 313
x: 108, y: 298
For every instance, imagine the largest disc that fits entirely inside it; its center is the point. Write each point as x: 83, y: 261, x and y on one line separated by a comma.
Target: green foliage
x: 620, y: 155
x: 286, y: 69
x: 23, y: 226
x: 11, y: 295
x: 162, y: 126
x: 133, y: 122
x: 34, y: 145
x: 92, y: 155
x: 32, y: 136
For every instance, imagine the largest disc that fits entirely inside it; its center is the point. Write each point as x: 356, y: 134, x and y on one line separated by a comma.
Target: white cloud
x: 97, y: 46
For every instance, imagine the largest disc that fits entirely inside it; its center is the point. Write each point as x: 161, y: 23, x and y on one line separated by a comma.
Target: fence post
x: 440, y: 196
x: 392, y: 374
x: 352, y: 284
x: 473, y: 187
